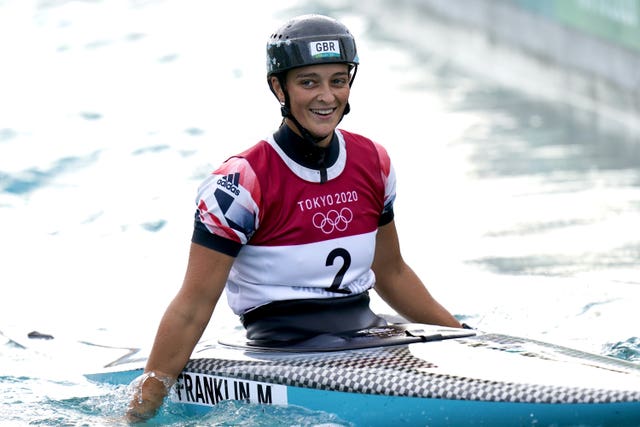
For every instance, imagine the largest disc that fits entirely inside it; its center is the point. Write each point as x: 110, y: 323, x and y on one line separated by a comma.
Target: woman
x: 297, y: 228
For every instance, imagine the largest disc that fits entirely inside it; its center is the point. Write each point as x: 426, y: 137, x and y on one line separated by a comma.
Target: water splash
x: 627, y: 350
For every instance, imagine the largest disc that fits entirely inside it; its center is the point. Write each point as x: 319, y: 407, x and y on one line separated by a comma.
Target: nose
x: 325, y: 94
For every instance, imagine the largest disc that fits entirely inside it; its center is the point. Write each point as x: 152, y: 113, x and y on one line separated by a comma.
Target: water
x: 520, y: 214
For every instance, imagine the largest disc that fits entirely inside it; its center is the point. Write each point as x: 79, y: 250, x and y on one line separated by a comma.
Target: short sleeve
x: 228, y: 210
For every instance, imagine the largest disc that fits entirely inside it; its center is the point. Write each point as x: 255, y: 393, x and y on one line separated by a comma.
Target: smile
x: 324, y: 111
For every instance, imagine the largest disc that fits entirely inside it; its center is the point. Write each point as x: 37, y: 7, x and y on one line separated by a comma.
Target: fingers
x: 148, y: 393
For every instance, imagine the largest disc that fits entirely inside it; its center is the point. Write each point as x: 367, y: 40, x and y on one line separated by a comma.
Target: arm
x: 181, y: 327
x: 399, y: 285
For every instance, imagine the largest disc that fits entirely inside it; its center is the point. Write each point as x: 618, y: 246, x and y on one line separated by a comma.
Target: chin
x: 325, y: 128
x: 323, y: 131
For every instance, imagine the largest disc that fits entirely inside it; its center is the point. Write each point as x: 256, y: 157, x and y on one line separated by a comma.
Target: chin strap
x: 306, y: 135
x: 285, y: 109
x: 315, y: 152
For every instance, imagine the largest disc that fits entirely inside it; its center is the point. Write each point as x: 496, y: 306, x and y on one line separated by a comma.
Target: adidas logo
x: 230, y: 182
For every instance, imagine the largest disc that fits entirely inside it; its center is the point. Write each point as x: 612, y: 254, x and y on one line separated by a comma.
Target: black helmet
x: 308, y: 40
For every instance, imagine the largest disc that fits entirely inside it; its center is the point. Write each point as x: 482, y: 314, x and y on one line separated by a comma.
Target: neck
x: 304, y: 152
x: 323, y: 142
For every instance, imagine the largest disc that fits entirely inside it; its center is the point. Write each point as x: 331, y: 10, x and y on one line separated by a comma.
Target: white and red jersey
x: 294, y: 236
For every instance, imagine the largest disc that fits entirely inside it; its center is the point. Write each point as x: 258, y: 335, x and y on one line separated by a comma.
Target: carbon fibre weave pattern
x: 394, y: 371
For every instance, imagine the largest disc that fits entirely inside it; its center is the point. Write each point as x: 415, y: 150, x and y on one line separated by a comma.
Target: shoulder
x: 355, y: 137
x: 256, y: 149
x: 238, y: 171
x: 383, y: 155
x: 245, y: 161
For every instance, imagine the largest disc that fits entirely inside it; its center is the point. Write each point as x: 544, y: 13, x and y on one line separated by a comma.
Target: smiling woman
x: 529, y: 225
x: 320, y: 95
x: 293, y: 274
x: 301, y: 46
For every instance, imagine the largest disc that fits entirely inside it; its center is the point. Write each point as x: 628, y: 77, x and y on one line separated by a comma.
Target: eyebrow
x: 306, y: 75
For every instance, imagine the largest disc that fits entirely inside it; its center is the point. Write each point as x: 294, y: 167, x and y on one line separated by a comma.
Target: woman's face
x: 318, y: 96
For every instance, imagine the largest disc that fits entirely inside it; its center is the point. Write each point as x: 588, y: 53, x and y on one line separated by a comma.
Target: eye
x: 339, y: 81
x: 306, y: 83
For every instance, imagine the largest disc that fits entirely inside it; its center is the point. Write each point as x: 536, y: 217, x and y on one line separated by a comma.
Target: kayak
x: 411, y: 374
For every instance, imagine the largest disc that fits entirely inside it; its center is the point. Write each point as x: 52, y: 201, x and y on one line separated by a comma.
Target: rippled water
x: 521, y: 214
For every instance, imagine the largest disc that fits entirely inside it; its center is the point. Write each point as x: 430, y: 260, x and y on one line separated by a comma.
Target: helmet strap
x: 313, y: 150
x: 286, y: 113
x: 285, y: 110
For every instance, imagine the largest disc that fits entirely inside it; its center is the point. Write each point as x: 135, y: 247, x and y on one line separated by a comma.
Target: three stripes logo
x: 230, y: 182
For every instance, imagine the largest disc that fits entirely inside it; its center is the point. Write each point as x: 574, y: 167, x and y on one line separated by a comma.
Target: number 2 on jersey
x: 346, y: 262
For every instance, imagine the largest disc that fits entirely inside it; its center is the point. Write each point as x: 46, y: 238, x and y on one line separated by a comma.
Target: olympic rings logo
x: 333, y: 220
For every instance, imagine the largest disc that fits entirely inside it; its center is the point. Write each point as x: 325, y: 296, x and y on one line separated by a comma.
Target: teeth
x: 328, y: 111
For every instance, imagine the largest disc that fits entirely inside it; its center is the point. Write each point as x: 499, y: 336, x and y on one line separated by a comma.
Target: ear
x: 277, y: 88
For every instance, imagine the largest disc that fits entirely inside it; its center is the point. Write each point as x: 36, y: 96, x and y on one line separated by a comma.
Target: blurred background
x: 513, y: 125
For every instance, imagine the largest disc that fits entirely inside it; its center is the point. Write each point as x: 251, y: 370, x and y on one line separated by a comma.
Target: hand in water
x: 149, y: 392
